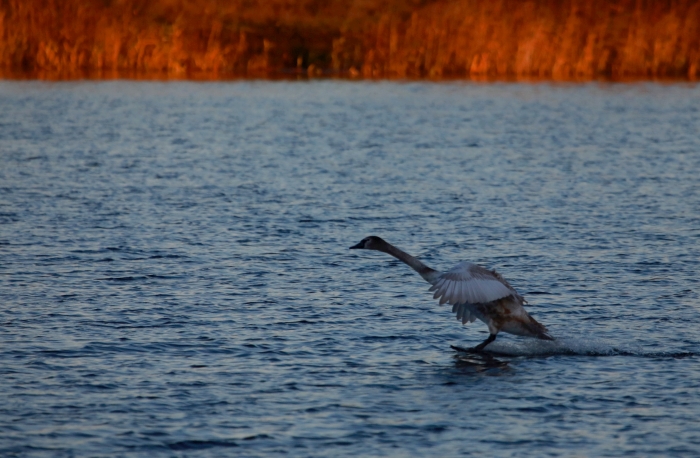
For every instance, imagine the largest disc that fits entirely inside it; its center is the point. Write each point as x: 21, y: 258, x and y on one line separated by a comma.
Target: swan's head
x: 370, y: 243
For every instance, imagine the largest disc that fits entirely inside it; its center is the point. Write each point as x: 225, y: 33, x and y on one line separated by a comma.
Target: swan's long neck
x: 424, y: 271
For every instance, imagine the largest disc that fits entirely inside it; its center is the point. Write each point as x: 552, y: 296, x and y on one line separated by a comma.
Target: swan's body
x: 474, y: 293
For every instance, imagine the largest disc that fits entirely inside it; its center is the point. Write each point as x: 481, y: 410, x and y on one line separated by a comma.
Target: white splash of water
x: 563, y: 346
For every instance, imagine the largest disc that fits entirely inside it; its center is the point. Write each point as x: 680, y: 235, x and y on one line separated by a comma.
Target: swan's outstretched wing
x: 467, y: 283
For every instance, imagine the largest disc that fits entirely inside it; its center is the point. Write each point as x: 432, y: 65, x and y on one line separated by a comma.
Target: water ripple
x: 176, y: 279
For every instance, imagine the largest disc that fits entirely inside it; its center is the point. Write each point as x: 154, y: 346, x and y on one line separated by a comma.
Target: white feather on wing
x: 467, y: 283
x: 464, y: 313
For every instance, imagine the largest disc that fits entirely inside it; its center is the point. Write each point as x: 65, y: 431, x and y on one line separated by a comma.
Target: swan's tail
x: 538, y: 330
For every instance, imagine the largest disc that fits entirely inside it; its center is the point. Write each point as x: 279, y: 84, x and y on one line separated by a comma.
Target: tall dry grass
x: 564, y: 39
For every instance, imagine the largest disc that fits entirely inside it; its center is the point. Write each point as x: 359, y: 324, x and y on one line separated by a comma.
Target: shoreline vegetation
x: 561, y: 40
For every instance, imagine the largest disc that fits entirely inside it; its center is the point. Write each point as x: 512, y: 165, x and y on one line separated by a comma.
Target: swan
x: 473, y: 292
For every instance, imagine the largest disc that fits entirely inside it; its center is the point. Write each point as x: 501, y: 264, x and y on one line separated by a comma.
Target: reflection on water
x: 175, y: 273
x: 479, y: 362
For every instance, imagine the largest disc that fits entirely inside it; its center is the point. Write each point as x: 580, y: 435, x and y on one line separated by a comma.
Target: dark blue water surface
x: 175, y: 278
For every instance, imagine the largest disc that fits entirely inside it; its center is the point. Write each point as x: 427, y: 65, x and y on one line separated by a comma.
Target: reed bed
x: 560, y: 40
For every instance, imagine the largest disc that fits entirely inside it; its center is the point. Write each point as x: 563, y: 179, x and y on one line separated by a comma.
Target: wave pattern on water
x: 175, y: 275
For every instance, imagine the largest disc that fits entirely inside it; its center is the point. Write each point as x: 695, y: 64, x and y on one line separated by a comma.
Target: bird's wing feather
x: 467, y: 283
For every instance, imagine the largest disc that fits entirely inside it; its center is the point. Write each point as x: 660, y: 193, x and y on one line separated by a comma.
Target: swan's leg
x: 478, y: 348
x: 483, y: 344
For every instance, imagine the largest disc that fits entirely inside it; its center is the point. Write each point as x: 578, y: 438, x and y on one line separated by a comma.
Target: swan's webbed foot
x: 478, y: 348
x: 462, y: 349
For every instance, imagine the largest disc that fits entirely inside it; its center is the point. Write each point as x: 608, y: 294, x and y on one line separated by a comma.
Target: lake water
x: 175, y: 278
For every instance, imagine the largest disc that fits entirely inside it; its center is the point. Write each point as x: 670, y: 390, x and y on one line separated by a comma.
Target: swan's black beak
x: 356, y: 247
